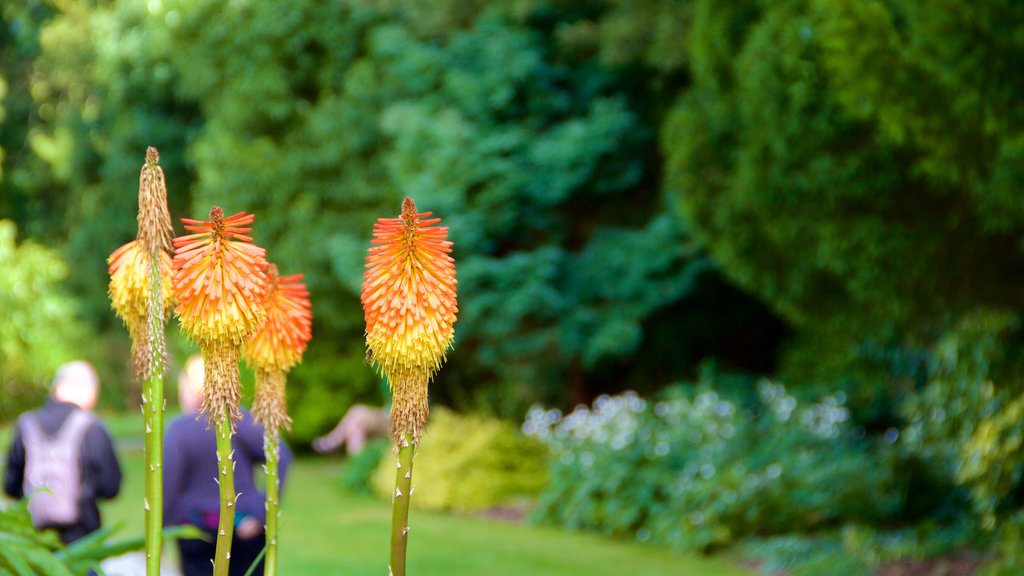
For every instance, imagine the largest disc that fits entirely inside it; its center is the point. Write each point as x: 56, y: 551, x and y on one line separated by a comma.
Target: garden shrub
x: 837, y: 564
x: 695, y: 469
x: 780, y: 554
x: 965, y: 422
x: 994, y: 463
x: 1009, y: 556
x: 853, y: 549
x: 467, y: 463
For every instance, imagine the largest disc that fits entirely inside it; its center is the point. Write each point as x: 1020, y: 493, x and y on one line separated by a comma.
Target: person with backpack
x: 191, y: 492
x: 62, y: 458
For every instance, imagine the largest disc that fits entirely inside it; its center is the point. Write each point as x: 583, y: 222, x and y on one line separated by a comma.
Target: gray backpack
x: 53, y: 471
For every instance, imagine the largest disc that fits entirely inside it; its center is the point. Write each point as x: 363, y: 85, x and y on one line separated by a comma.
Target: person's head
x: 190, y: 384
x: 77, y: 383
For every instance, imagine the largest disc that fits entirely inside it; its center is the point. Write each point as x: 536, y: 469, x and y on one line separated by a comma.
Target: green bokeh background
x: 822, y: 192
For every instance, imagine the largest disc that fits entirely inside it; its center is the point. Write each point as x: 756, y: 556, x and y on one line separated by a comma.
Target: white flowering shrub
x: 698, y: 468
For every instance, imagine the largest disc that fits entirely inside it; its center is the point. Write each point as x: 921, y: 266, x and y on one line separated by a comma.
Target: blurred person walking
x: 191, y: 493
x: 62, y: 458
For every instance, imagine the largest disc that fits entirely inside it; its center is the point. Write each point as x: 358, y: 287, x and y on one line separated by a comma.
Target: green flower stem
x: 270, y: 448
x: 400, y: 506
x: 153, y: 406
x: 226, y: 479
x: 153, y: 412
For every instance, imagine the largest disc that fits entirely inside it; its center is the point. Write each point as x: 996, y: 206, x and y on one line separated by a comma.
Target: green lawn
x: 327, y: 531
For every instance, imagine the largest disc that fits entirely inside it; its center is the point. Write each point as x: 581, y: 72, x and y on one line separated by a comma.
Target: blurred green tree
x: 852, y: 162
x: 38, y: 325
x: 24, y: 187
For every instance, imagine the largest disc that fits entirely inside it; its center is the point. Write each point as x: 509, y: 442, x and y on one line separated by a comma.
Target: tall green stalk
x: 154, y: 502
x: 226, y: 479
x: 400, y: 506
x: 153, y: 410
x: 271, y: 449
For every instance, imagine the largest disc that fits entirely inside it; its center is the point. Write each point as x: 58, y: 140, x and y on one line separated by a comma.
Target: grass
x: 327, y: 531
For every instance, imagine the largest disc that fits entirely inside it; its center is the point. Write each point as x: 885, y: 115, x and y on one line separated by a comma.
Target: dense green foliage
x: 470, y: 463
x: 856, y: 165
x: 850, y: 161
x: 23, y: 549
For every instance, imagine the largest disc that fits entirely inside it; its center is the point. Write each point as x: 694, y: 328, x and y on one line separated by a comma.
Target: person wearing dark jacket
x: 75, y: 390
x: 191, y: 492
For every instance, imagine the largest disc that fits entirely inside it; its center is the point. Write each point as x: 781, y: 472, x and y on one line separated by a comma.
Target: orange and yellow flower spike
x: 130, y: 284
x: 289, y: 326
x: 278, y: 346
x: 410, y: 304
x: 220, y: 288
x: 272, y: 352
x: 140, y: 292
x: 133, y: 278
x: 219, y: 279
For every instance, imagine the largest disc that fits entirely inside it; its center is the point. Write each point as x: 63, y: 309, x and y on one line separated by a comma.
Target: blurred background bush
x: 470, y: 464
x: 38, y: 320
x: 702, y: 467
x: 816, y: 200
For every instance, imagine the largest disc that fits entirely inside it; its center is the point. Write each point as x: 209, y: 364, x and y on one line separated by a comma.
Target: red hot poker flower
x: 278, y: 346
x: 219, y: 282
x: 220, y: 288
x: 130, y: 284
x: 282, y: 340
x: 140, y: 272
x: 410, y: 305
